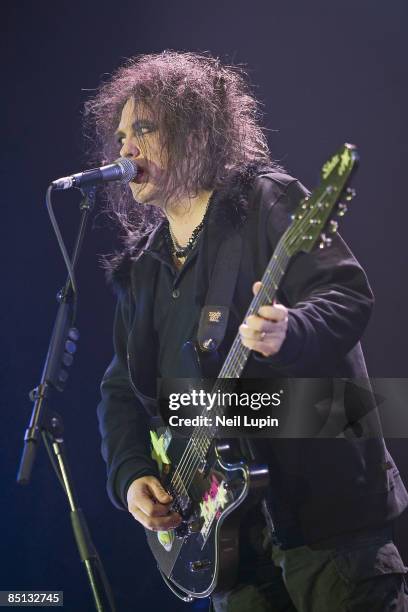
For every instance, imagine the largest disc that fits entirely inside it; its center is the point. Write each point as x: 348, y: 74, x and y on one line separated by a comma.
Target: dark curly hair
x: 208, y: 122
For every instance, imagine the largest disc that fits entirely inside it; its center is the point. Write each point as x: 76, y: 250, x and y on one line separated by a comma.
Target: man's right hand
x: 149, y: 503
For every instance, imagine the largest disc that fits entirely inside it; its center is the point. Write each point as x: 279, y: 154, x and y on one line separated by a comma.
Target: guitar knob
x: 195, y: 525
x: 181, y: 531
x: 197, y: 566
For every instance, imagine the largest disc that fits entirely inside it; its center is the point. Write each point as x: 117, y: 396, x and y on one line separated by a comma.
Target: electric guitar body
x: 190, y: 557
x: 221, y: 489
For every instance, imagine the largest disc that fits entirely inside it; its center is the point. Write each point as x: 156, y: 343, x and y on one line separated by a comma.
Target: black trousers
x: 361, y: 572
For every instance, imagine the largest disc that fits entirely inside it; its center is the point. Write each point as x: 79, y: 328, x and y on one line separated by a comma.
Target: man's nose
x: 129, y: 149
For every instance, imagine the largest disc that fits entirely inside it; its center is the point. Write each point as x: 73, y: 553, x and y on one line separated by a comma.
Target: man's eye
x: 141, y: 130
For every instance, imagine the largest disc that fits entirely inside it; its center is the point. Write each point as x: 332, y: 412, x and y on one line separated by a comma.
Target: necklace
x: 181, y: 252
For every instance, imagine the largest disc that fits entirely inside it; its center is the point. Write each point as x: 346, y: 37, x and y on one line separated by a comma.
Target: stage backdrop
x: 326, y: 73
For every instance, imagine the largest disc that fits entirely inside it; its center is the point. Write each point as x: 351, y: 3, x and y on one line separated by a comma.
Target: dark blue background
x: 326, y: 72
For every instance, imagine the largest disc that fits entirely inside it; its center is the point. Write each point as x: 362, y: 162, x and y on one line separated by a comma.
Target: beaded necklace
x: 181, y: 252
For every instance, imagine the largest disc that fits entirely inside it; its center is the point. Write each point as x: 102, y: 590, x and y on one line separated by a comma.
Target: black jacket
x: 319, y: 487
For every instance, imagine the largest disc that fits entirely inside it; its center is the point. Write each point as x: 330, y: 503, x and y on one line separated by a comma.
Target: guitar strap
x: 215, y: 313
x: 214, y: 320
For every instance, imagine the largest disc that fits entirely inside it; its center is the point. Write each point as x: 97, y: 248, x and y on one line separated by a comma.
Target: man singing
x: 205, y: 174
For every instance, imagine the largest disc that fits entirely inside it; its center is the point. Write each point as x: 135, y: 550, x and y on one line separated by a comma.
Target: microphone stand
x: 49, y: 425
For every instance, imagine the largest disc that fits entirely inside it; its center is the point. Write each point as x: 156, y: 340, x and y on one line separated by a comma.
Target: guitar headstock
x: 313, y: 219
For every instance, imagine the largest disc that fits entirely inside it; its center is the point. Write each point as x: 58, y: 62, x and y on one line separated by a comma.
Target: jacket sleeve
x: 123, y: 422
x: 328, y: 297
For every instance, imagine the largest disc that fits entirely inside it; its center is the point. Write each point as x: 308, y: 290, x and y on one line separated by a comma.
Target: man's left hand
x: 265, y: 331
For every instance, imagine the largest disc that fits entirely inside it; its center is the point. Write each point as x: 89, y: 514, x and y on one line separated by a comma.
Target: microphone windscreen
x: 129, y: 169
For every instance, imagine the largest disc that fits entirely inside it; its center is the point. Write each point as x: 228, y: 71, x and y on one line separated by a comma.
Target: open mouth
x: 141, y: 176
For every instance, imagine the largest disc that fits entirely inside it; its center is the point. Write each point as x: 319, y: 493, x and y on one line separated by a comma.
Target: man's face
x: 138, y: 137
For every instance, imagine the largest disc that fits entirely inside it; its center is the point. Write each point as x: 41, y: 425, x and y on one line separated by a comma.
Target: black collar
x: 229, y: 210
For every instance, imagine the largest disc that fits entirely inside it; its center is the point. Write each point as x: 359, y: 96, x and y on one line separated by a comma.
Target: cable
x: 60, y: 240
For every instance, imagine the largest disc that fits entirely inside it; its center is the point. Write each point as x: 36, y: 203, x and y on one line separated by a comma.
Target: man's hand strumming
x: 150, y: 504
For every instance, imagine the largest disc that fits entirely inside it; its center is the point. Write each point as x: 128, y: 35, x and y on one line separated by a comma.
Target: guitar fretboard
x: 238, y: 354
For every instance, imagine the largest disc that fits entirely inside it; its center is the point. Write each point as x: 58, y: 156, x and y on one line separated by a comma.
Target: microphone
x: 121, y: 169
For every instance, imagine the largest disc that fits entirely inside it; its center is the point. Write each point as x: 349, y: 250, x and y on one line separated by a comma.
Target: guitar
x: 211, y: 488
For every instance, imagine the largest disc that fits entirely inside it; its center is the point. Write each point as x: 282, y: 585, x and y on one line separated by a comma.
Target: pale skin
x: 264, y: 332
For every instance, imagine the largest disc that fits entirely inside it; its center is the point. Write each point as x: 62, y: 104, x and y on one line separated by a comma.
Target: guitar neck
x: 238, y: 354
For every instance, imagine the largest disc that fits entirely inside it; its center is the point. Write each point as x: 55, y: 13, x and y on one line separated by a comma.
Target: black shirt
x: 176, y: 312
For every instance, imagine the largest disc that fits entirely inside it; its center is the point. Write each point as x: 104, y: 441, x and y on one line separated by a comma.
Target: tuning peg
x: 326, y: 241
x: 342, y: 209
x: 333, y: 225
x: 350, y: 193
